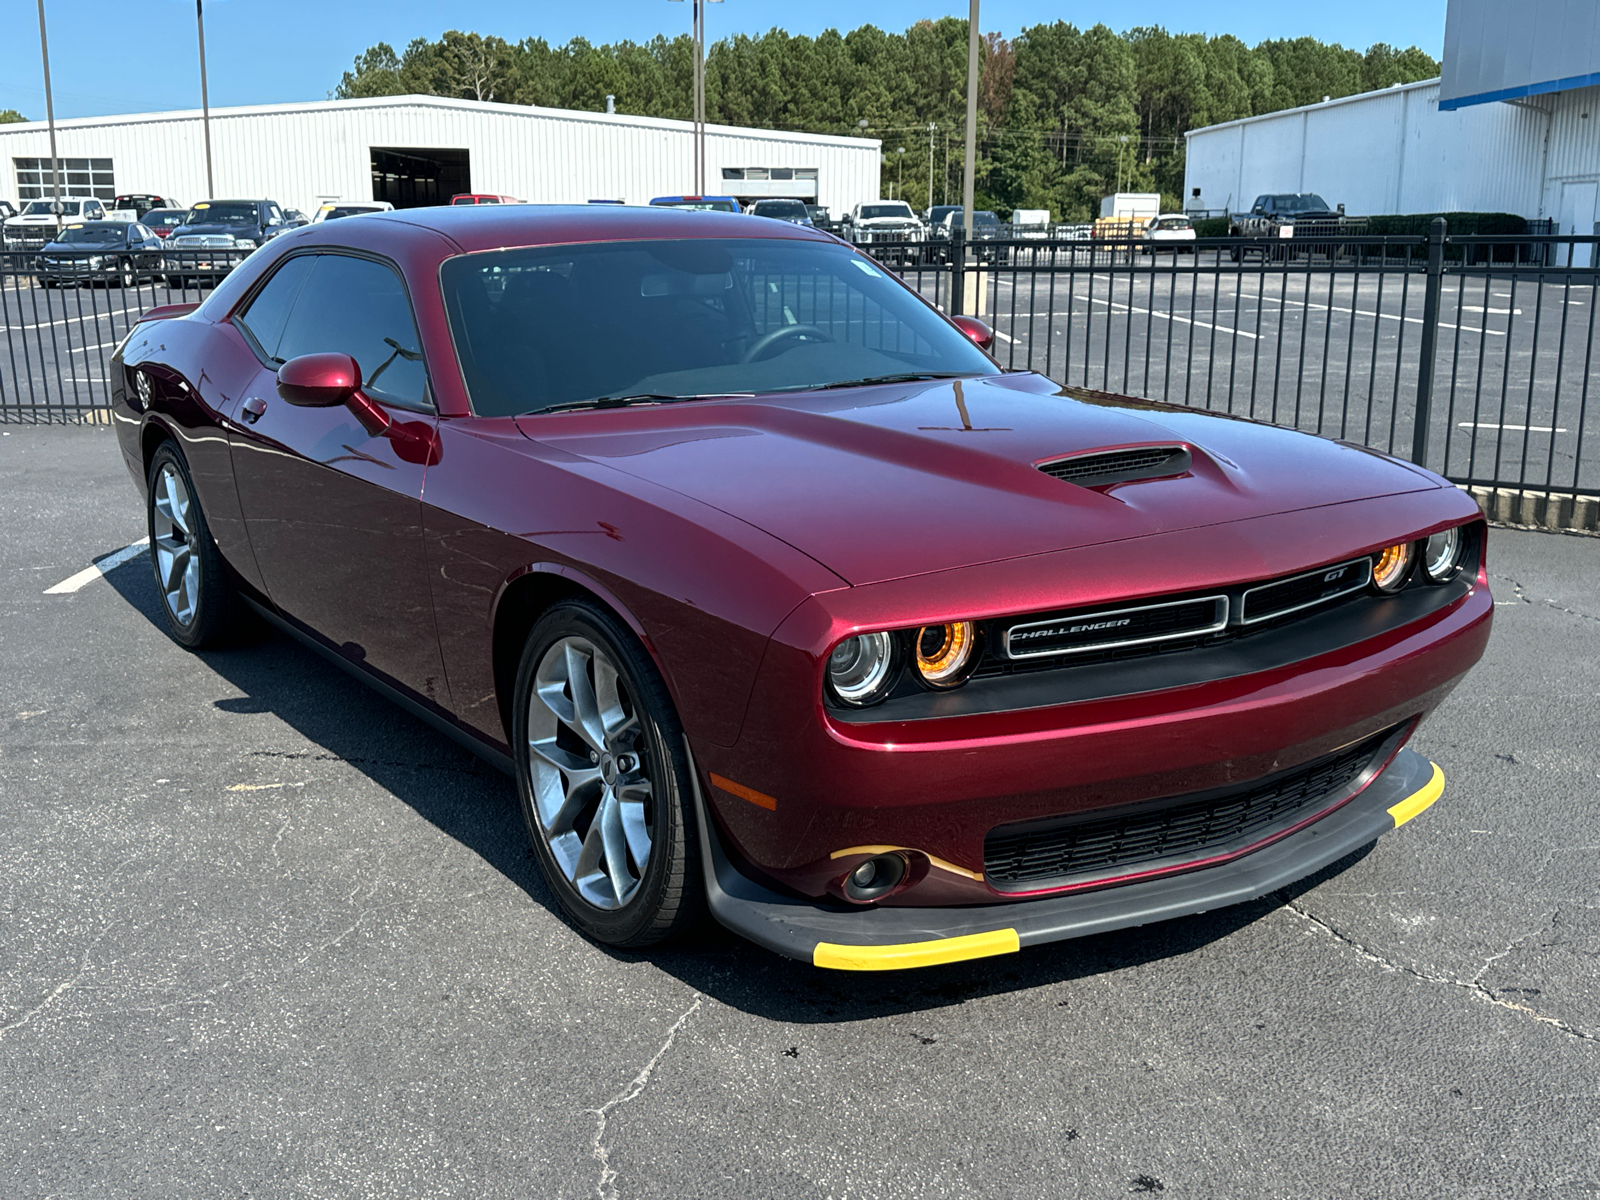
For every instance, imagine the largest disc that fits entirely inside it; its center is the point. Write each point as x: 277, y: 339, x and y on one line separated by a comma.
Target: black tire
x: 668, y: 895
x: 126, y: 276
x: 201, y: 606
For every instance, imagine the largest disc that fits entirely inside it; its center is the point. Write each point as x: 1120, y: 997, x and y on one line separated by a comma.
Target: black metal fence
x: 60, y: 321
x: 1472, y: 355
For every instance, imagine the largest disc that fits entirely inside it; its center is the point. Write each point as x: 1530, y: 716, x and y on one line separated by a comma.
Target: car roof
x: 493, y: 227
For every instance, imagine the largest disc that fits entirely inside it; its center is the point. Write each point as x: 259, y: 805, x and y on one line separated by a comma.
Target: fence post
x: 958, y: 268
x: 1430, y: 341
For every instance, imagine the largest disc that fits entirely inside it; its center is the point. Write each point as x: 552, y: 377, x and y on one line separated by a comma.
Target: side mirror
x: 319, y: 380
x: 329, y: 380
x: 982, y: 336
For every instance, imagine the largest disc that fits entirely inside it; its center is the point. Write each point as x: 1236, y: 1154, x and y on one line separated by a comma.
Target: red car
x: 777, y: 595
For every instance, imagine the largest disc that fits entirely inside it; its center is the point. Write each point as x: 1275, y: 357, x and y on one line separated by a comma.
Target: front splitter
x: 886, y: 939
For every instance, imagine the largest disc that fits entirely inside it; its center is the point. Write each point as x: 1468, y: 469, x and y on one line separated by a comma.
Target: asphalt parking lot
x: 266, y: 935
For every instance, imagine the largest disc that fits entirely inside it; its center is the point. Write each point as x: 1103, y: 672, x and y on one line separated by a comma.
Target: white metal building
x: 1513, y: 127
x: 422, y: 149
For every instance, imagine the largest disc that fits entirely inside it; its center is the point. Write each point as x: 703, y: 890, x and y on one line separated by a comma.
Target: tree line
x: 1066, y: 115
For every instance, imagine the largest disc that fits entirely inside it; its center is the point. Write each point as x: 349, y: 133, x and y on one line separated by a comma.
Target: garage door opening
x: 415, y: 177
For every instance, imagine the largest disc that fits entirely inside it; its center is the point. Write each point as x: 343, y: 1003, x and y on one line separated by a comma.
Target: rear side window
x: 359, y: 307
x: 269, y: 311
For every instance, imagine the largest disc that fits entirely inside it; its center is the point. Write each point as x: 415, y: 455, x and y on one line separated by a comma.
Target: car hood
x: 885, y: 482
x: 215, y: 228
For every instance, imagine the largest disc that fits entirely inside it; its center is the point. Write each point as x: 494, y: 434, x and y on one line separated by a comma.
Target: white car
x: 883, y: 221
x: 1169, y: 231
x: 41, y: 220
x: 349, y: 208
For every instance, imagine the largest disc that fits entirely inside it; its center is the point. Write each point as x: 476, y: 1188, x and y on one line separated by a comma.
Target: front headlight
x: 96, y: 262
x: 1441, y: 555
x: 1391, y: 566
x: 861, y: 668
x: 244, y: 243
x: 946, y: 652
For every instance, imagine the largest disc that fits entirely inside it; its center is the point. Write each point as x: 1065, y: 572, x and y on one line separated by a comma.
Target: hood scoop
x: 1105, y: 467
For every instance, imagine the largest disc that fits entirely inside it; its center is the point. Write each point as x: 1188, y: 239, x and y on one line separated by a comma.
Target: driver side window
x: 359, y: 307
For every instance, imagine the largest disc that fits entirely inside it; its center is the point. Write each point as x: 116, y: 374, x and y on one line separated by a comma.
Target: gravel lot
x: 265, y: 935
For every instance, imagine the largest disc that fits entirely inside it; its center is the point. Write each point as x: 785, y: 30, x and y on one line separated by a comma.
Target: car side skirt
x: 886, y: 939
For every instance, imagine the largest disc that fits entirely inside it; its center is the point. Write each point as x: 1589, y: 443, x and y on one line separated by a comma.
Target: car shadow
x: 476, y: 805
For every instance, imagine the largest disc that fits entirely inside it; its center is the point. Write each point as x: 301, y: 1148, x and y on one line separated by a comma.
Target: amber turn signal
x: 946, y: 652
x: 1391, y: 567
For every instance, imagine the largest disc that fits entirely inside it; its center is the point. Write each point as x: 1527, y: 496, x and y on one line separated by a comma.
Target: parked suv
x: 218, y: 235
x: 792, y: 211
x: 41, y: 220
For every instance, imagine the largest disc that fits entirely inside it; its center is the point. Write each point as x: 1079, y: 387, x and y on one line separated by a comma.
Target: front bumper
x: 883, y: 938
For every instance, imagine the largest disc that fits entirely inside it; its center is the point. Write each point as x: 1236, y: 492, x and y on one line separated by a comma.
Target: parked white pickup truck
x: 41, y: 220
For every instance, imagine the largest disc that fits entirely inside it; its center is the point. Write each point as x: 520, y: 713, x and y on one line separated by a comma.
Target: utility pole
x: 699, y: 102
x: 932, y: 129
x: 50, y: 115
x: 972, y: 118
x: 205, y: 100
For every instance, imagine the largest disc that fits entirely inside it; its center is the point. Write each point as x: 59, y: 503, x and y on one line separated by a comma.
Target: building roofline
x: 1322, y: 104
x: 1571, y: 83
x: 446, y: 102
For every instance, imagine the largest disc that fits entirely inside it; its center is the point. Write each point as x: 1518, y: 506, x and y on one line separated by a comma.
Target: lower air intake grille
x: 1019, y: 859
x: 1119, y: 466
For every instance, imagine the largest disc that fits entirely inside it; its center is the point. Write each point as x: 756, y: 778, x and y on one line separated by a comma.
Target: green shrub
x: 1211, y: 227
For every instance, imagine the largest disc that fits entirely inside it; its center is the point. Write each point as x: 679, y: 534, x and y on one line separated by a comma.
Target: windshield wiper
x: 899, y: 377
x: 631, y: 399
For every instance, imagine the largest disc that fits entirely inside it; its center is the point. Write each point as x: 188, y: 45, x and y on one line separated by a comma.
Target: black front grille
x: 1133, y: 625
x: 1302, y: 591
x: 1119, y: 466
x: 1039, y: 855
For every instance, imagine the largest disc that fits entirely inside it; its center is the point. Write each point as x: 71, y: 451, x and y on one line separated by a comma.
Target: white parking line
x: 1516, y: 428
x: 88, y: 575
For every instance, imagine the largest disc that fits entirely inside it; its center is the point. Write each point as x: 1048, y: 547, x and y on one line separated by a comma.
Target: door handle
x: 252, y: 409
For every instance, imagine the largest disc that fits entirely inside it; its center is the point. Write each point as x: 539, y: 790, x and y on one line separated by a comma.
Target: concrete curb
x: 1552, y: 511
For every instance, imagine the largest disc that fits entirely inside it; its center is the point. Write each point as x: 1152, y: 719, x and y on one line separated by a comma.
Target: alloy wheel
x: 590, y: 772
x: 172, y: 541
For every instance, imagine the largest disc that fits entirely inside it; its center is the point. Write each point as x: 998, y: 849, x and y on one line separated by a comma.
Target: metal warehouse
x: 415, y: 150
x: 1512, y: 126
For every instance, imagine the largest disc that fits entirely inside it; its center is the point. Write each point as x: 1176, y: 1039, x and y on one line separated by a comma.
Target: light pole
x: 699, y: 92
x: 50, y: 115
x: 932, y: 129
x: 972, y: 118
x: 900, y: 173
x: 205, y: 100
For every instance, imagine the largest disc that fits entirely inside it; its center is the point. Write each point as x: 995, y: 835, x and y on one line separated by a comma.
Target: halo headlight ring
x: 945, y: 654
x: 1391, y: 567
x: 1441, y: 555
x: 862, y: 669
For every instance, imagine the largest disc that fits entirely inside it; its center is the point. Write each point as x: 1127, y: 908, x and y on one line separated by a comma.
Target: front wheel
x: 198, y: 599
x: 604, y: 779
x: 126, y: 276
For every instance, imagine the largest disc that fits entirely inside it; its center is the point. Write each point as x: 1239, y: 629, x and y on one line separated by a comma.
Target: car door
x: 334, y: 513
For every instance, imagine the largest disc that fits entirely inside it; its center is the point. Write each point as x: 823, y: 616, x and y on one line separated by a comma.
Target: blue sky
x: 114, y: 57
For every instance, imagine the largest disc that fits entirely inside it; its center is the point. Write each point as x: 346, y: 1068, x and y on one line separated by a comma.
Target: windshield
x: 1173, y: 223
x: 870, y: 211
x: 1304, y: 202
x: 43, y: 208
x: 555, y: 326
x: 702, y: 204
x: 779, y: 208
x: 985, y: 218
x: 350, y: 210
x: 98, y: 235
x: 223, y: 214
x: 167, y: 218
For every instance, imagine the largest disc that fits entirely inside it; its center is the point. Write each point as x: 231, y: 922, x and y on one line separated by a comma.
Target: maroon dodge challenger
x: 778, y: 597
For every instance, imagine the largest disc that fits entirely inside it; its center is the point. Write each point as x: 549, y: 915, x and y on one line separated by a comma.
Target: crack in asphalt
x: 60, y: 989
x: 1473, y: 986
x: 1522, y: 594
x: 605, y: 1187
